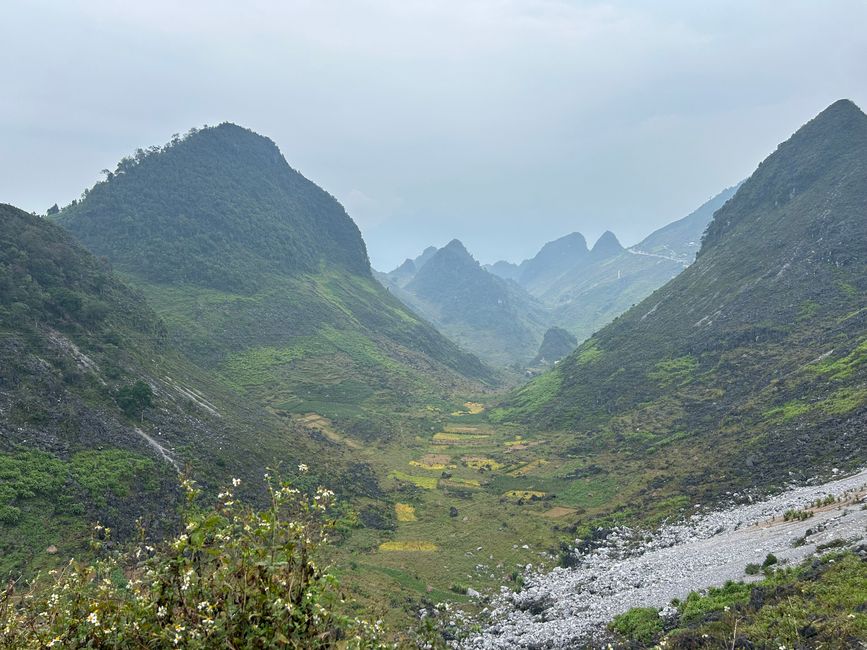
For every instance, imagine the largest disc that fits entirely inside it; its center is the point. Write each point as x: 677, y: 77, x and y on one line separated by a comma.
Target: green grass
x: 640, y: 624
x: 588, y: 353
x: 697, y: 606
x: 674, y: 371
x: 845, y: 366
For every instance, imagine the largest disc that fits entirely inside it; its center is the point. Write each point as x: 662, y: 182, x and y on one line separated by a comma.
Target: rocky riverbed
x: 565, y: 608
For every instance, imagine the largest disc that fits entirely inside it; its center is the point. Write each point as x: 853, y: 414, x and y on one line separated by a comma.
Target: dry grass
x: 471, y: 408
x: 481, y: 462
x: 404, y: 512
x: 524, y: 494
x: 529, y: 467
x: 432, y: 461
x: 558, y: 511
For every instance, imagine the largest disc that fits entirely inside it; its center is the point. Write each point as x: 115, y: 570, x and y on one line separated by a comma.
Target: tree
x: 134, y: 399
x: 53, y: 209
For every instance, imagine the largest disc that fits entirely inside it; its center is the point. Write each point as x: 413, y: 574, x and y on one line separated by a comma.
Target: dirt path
x: 557, y: 609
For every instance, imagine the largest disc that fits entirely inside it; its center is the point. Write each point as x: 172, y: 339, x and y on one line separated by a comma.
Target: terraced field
x: 471, y: 504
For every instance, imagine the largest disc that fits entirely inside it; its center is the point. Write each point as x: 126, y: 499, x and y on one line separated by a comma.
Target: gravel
x: 568, y: 607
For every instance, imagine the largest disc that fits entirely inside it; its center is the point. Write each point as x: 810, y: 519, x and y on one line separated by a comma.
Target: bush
x: 235, y: 577
x: 640, y: 624
x: 770, y: 560
x: 753, y: 569
x: 134, y: 399
x: 9, y: 514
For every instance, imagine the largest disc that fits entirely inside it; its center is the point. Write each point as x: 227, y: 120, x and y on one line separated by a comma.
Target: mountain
x: 553, y: 260
x: 681, y: 239
x: 504, y: 269
x: 255, y: 267
x: 494, y: 318
x: 556, y: 344
x: 748, y: 369
x: 583, y: 289
x: 609, y: 281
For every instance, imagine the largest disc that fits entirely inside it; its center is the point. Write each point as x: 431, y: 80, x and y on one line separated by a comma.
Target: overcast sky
x: 503, y: 123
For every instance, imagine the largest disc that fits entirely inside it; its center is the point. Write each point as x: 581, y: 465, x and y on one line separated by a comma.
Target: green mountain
x: 583, y: 289
x: 747, y: 369
x: 262, y: 277
x: 556, y: 344
x: 681, y: 239
x: 604, y: 284
x: 481, y: 312
x: 219, y: 209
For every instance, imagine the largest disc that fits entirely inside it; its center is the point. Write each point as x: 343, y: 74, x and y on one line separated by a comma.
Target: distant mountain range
x: 565, y: 285
x: 480, y: 311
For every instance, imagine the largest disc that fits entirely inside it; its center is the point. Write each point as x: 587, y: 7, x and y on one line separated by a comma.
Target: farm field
x: 471, y: 503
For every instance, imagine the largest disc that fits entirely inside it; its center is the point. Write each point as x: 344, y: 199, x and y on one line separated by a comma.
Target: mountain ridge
x: 757, y: 349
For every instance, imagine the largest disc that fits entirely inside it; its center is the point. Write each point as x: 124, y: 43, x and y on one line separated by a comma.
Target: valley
x: 519, y: 453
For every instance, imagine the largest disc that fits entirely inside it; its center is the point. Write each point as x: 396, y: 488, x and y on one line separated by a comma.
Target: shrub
x: 797, y: 515
x: 640, y: 624
x: 134, y: 399
x: 753, y: 569
x: 235, y: 577
x: 770, y: 560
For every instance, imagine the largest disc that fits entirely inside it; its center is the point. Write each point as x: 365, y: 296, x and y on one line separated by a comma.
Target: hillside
x: 71, y: 340
x: 262, y: 278
x: 553, y: 260
x: 481, y: 312
x: 565, y: 285
x: 748, y: 369
x: 681, y: 239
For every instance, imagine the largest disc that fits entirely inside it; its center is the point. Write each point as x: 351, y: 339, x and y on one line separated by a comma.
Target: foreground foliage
x: 235, y: 578
x: 820, y: 603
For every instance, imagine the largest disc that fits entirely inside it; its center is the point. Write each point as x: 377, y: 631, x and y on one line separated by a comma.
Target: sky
x: 504, y: 123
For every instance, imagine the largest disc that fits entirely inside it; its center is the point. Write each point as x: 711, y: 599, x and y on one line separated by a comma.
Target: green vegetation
x: 745, y: 352
x: 480, y: 311
x: 217, y: 207
x: 236, y: 577
x: 134, y: 399
x: 556, y: 344
x: 640, y: 624
x: 674, y: 371
x: 818, y: 604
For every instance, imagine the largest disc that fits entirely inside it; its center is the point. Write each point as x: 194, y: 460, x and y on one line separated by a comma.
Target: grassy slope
x: 748, y: 368
x: 817, y: 604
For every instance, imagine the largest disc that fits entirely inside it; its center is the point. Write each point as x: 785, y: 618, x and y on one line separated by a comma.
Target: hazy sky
x: 503, y: 123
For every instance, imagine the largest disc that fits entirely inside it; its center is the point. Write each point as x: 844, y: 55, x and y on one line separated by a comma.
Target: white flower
x: 236, y: 482
x: 161, y: 612
x: 55, y: 641
x: 93, y: 619
x: 303, y: 468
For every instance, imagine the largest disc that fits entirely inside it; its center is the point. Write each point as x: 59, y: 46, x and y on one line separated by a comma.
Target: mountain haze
x: 681, y: 239
x: 751, y: 363
x: 481, y: 312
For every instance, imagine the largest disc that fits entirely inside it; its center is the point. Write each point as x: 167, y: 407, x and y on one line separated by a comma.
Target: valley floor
x: 568, y: 606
